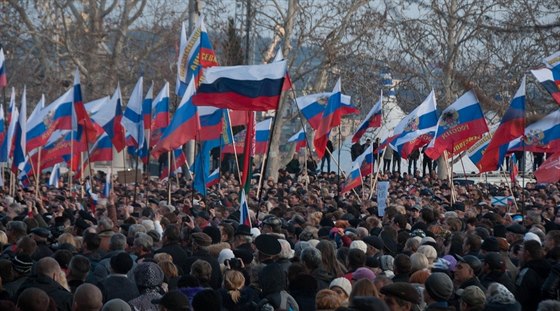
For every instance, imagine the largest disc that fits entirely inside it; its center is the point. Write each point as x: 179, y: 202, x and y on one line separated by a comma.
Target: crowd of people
x: 307, y: 248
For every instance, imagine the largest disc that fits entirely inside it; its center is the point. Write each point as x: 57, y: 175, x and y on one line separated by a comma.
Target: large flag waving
x: 82, y: 118
x: 331, y: 118
x: 194, y: 54
x: 7, y: 143
x: 183, y: 126
x: 541, y: 136
x: 248, y: 87
x: 160, y: 114
x: 511, y: 127
x: 372, y: 120
x: 460, y: 126
x: 417, y: 128
x: 477, y: 150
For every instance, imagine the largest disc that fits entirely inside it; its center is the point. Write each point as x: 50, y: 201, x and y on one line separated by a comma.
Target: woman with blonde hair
x: 234, y: 297
x: 170, y: 274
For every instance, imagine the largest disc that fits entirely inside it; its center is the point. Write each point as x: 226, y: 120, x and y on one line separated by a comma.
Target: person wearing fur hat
x: 438, y: 291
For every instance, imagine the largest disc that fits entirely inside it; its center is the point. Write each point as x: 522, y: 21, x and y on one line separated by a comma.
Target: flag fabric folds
x: 549, y: 171
x: 177, y: 160
x: 541, y: 136
x: 513, y: 169
x: 84, y: 124
x: 132, y: 118
x: 300, y: 139
x: 213, y: 178
x: 194, y: 54
x: 417, y: 128
x: 262, y: 136
x: 2, y: 125
x: 331, y: 118
x: 372, y: 120
x: 353, y: 180
x: 550, y: 77
x: 160, y: 114
x: 511, y: 127
x: 244, y: 217
x: 459, y: 127
x: 20, y: 135
x: 210, y: 123
x: 312, y: 106
x: 56, y: 116
x: 3, y: 77
x: 247, y: 87
x: 477, y: 150
x: 54, y: 179
x: 183, y: 126
x: 7, y: 144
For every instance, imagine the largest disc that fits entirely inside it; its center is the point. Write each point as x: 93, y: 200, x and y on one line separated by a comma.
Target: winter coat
x: 59, y: 294
x: 529, y: 283
x: 551, y: 286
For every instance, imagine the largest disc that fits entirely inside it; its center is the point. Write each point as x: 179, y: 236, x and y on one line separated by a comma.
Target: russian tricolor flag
x: 3, y: 78
x: 300, y: 138
x: 213, y: 178
x: 312, y: 106
x: 541, y: 136
x: 417, y: 128
x: 511, y: 127
x: 244, y: 217
x: 366, y: 161
x: 210, y: 123
x: 353, y: 180
x: 160, y: 114
x: 183, y: 127
x: 331, y: 118
x: 82, y: 118
x: 460, y: 126
x: 56, y: 116
x: 372, y: 120
x: 7, y: 144
x: 2, y: 124
x: 262, y: 136
x: 476, y: 151
x: 19, y: 135
x: 248, y: 87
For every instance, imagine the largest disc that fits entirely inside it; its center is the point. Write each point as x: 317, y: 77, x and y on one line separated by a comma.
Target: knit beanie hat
x: 22, y: 263
x: 439, y: 286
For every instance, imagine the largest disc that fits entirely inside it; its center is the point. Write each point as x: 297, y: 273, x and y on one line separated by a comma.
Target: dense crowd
x: 308, y: 248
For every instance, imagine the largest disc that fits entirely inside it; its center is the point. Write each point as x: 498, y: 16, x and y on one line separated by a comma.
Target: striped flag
x: 300, y: 139
x: 244, y: 217
x: 19, y: 134
x: 3, y: 77
x: 372, y: 120
x: 213, y: 178
x: 54, y: 179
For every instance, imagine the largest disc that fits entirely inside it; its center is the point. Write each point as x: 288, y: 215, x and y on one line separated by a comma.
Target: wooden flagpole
x: 169, y: 177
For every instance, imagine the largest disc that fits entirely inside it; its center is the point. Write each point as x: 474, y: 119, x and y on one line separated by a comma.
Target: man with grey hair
x: 49, y: 278
x: 142, y: 246
x: 313, y: 261
x: 15, y: 230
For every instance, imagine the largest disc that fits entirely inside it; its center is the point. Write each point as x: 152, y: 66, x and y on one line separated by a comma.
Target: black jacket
x: 216, y: 277
x: 118, y: 286
x: 498, y: 277
x: 529, y: 283
x: 178, y: 253
x: 59, y: 294
x: 551, y: 286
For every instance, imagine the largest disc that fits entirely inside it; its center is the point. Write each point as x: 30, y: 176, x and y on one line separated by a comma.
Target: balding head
x: 33, y: 299
x: 87, y: 298
x: 48, y: 267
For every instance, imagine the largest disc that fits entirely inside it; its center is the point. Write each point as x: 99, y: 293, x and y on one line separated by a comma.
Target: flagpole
x: 449, y: 177
x: 305, y: 164
x: 168, y: 177
x: 374, y: 183
x: 71, y: 159
x: 136, y: 176
x: 307, y: 145
x: 234, y: 147
x: 339, y: 151
x: 37, y: 174
x: 508, y: 181
x: 261, y: 176
x: 124, y: 164
x: 174, y: 159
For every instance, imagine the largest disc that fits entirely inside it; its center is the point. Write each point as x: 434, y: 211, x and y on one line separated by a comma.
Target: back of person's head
x: 549, y: 305
x: 121, y: 263
x: 311, y: 257
x: 117, y: 242
x: 533, y: 249
x: 402, y: 264
x: 418, y: 261
x: 202, y: 270
x: 92, y: 241
x: 78, y: 268
x: 327, y: 299
x: 87, y: 298
x: 207, y: 300
x: 48, y: 267
x: 63, y: 257
x: 116, y: 304
x: 363, y: 287
x: 143, y: 241
x: 169, y: 269
x: 171, y: 234
x: 473, y: 241
x: 17, y: 229
x: 26, y: 245
x: 356, y: 258
x: 233, y: 283
x: 33, y: 299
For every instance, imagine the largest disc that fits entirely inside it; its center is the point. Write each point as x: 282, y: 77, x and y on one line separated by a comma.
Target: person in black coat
x: 531, y: 276
x: 172, y: 247
x: 327, y: 156
x: 200, y: 243
x: 117, y: 284
x: 48, y: 273
x: 494, y: 270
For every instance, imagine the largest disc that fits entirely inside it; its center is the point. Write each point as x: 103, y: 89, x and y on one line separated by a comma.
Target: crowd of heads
x: 159, y: 246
